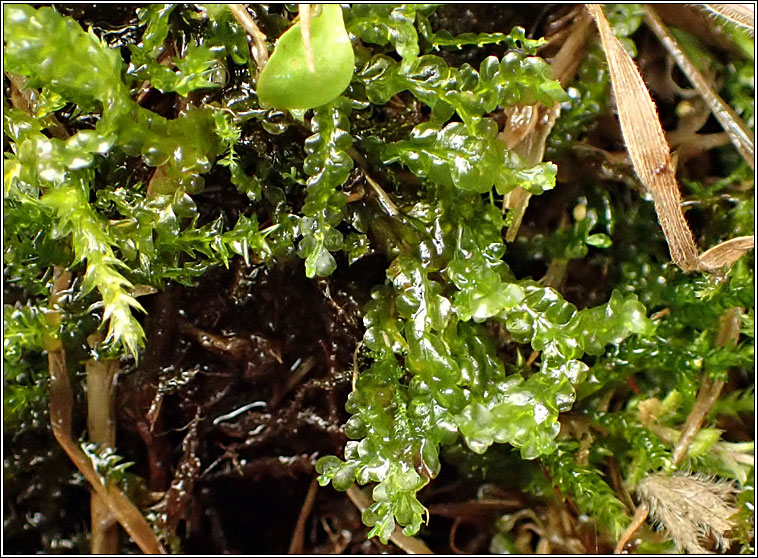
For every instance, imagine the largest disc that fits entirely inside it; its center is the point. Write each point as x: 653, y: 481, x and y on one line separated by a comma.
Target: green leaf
x: 287, y: 83
x: 515, y: 40
x: 91, y: 243
x: 388, y: 24
x: 589, y: 491
x: 452, y: 156
x: 155, y: 18
x: 197, y: 69
x: 318, y: 260
x: 328, y: 165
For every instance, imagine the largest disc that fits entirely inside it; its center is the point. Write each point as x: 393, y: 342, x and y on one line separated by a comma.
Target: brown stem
x: 296, y: 545
x: 639, y: 518
x: 259, y: 50
x: 706, y: 397
x: 61, y: 409
x: 102, y: 431
x: 728, y: 333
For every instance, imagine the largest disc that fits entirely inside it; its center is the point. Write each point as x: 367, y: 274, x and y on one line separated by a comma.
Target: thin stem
x: 639, y: 518
x: 741, y: 136
x: 102, y: 430
x: 259, y: 50
x: 61, y: 410
x: 728, y: 334
x: 706, y: 397
x: 298, y: 536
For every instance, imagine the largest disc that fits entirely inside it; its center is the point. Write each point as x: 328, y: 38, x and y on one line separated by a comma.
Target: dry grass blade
x: 646, y: 144
x: 740, y: 135
x: 726, y: 253
x: 739, y: 14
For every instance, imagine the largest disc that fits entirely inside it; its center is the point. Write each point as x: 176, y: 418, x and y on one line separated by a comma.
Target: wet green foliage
x: 109, y: 466
x: 588, y: 487
x: 458, y: 386
x: 444, y: 374
x: 287, y: 82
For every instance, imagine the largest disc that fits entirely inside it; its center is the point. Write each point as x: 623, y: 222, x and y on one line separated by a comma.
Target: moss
x: 278, y: 241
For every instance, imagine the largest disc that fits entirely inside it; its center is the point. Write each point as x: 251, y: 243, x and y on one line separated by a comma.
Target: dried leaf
x: 726, y: 253
x: 739, y: 14
x: 528, y: 126
x: 531, y: 147
x: 689, y: 507
x: 646, y: 144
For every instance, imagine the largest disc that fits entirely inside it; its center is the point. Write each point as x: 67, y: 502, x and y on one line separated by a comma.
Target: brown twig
x: 707, y: 395
x: 709, y: 392
x: 259, y: 50
x: 102, y: 430
x: 639, y: 518
x: 298, y: 535
x: 61, y: 409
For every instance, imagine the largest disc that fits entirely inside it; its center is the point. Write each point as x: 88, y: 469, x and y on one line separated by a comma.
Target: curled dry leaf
x: 646, y: 144
x: 726, y: 253
x: 529, y: 126
x: 689, y: 507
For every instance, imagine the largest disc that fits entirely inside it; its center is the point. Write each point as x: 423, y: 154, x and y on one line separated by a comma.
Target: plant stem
x: 259, y: 50
x: 728, y: 334
x: 639, y: 518
x: 296, y: 545
x: 305, y: 30
x: 102, y: 431
x: 61, y: 408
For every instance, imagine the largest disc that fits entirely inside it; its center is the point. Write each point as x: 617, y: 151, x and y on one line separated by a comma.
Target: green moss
x: 404, y: 166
